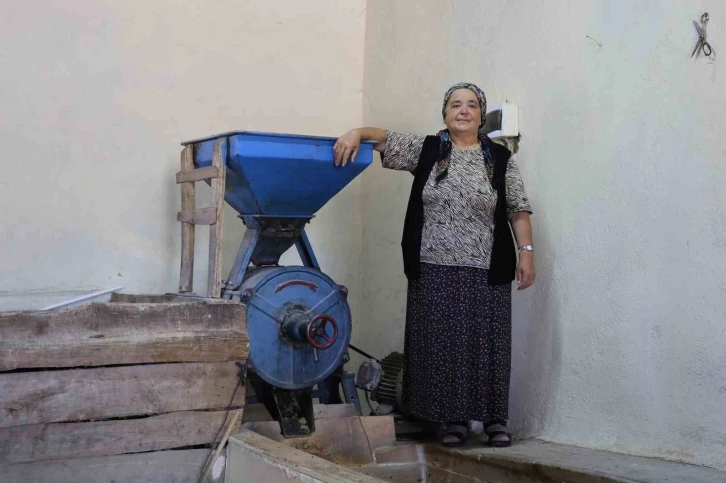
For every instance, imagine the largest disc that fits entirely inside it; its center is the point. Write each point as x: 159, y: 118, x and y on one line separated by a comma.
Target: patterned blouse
x: 458, y: 212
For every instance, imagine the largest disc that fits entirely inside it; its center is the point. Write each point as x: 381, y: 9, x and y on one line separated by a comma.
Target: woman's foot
x: 455, y: 434
x: 498, y: 435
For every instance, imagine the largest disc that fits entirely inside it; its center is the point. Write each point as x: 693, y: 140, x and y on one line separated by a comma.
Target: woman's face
x: 462, y: 112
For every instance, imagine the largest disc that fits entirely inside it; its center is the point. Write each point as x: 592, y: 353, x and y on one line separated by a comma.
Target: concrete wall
x: 621, y: 344
x: 96, y: 97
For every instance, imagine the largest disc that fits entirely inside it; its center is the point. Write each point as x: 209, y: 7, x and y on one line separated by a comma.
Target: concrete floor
x: 554, y: 461
x: 253, y: 457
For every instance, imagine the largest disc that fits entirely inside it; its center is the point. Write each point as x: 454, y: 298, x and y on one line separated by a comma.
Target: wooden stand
x: 119, y: 391
x: 212, y: 216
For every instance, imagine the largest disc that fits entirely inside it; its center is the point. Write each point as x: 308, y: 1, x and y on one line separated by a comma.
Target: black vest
x: 504, y: 258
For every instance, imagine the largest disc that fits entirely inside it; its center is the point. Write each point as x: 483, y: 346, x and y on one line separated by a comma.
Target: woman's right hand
x: 346, y: 147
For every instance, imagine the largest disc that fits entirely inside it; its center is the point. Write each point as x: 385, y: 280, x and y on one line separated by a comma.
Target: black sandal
x: 498, y: 429
x: 457, y: 430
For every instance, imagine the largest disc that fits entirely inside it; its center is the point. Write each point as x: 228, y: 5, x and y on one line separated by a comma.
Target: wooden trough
x: 136, y: 389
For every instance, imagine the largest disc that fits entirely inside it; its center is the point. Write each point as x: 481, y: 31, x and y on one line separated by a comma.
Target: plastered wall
x: 95, y: 98
x: 622, y: 343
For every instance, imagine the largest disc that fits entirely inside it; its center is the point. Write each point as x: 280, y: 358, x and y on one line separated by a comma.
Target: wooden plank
x: 257, y: 412
x: 254, y: 458
x: 108, y: 334
x: 380, y: 431
x: 43, y: 442
x: 198, y: 174
x: 128, y: 298
x: 100, y: 393
x: 186, y: 273
x: 179, y: 466
x: 214, y: 282
x: 146, y: 298
x: 340, y: 440
x: 203, y: 216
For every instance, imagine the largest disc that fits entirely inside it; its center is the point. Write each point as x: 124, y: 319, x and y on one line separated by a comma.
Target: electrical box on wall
x: 502, y: 121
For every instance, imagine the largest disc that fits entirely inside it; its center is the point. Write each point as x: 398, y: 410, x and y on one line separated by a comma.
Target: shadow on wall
x: 536, y: 350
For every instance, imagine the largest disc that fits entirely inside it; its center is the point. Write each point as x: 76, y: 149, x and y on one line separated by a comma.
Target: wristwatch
x: 528, y: 248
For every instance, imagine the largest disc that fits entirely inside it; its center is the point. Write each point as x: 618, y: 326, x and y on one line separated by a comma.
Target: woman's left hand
x: 525, y: 270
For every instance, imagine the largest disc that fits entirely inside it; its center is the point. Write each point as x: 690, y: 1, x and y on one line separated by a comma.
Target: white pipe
x: 83, y: 297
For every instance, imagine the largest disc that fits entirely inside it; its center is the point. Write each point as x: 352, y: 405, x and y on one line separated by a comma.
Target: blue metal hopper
x: 281, y: 175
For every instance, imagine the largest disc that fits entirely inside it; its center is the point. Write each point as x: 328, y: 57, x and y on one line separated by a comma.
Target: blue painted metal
x: 277, y: 183
x: 305, y: 250
x: 266, y: 239
x: 241, y: 261
x: 280, y: 174
x: 276, y: 357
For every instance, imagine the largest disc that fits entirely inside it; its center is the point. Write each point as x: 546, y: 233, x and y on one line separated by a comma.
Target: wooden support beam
x: 204, y: 216
x: 214, y: 283
x: 198, y: 174
x: 106, y: 334
x: 186, y: 275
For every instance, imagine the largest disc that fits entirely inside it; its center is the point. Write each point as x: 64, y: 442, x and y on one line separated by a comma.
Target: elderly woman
x: 460, y: 260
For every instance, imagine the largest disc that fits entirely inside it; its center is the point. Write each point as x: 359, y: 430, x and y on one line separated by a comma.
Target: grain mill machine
x: 298, y: 318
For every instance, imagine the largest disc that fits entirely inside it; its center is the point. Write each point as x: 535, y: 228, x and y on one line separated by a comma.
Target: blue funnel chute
x: 280, y: 175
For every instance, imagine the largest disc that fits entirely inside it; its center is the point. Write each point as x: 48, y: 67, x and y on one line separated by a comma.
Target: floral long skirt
x: 457, y: 345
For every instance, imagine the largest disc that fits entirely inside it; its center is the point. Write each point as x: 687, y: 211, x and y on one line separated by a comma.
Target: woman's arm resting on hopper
x: 347, y: 145
x: 522, y: 227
